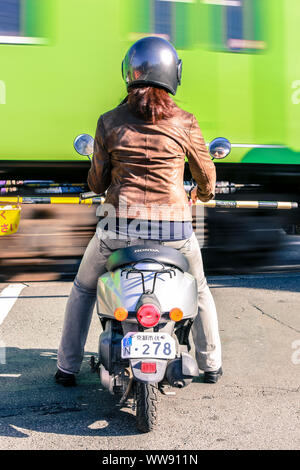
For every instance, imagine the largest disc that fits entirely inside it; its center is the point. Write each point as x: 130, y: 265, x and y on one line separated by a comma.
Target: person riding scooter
x: 138, y: 160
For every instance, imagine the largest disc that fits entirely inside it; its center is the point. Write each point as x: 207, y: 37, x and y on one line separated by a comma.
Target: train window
x: 166, y: 18
x: 163, y: 23
x: 236, y: 25
x: 20, y: 22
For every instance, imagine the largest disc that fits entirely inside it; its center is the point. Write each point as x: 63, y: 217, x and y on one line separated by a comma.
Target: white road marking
x: 10, y: 375
x: 8, y: 297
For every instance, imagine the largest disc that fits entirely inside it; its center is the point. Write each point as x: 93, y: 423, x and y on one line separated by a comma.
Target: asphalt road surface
x: 254, y: 406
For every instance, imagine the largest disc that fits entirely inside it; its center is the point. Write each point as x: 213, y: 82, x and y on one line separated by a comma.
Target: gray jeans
x: 82, y: 300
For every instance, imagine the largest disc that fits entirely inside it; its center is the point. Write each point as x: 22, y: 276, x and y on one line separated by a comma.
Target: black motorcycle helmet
x: 152, y: 61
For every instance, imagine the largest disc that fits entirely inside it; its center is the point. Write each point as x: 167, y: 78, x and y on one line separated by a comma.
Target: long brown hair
x: 150, y: 103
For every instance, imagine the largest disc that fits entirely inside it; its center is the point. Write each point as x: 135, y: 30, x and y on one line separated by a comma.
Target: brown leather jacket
x: 141, y: 165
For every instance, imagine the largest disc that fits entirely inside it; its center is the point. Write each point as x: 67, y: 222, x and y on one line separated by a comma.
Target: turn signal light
x: 120, y: 314
x: 176, y: 314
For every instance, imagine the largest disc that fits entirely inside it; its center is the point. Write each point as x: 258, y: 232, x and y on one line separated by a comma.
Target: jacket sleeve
x: 202, y: 167
x: 99, y: 176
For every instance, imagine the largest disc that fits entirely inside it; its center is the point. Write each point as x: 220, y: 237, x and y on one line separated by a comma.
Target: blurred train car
x: 49, y: 243
x: 60, y: 69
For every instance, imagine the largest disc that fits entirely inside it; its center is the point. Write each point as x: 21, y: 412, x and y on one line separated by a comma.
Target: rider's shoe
x: 67, y: 380
x: 212, y: 377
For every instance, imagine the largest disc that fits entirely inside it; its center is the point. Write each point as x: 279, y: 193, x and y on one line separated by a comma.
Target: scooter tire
x: 146, y: 406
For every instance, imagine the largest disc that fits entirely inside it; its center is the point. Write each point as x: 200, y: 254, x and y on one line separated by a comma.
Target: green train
x: 61, y: 69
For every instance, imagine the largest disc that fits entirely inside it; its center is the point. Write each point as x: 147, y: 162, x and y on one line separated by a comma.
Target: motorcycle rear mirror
x: 219, y: 148
x: 84, y: 144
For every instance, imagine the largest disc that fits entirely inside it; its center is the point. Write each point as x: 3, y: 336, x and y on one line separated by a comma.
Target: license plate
x: 148, y: 345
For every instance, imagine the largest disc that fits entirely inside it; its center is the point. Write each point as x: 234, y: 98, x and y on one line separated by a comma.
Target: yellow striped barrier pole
x: 99, y: 200
x: 10, y: 211
x: 249, y: 204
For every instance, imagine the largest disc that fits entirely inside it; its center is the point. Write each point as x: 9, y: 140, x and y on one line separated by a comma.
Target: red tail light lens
x: 148, y: 367
x: 148, y: 315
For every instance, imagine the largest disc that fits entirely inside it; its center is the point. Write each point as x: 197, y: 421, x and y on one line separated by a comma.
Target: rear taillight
x: 148, y: 315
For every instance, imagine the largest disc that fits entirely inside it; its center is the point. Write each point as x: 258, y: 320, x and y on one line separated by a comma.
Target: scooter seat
x: 133, y: 254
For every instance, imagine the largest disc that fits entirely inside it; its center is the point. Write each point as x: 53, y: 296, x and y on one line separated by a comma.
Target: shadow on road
x: 32, y: 401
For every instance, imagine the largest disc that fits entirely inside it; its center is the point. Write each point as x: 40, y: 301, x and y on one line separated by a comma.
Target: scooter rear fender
x: 158, y: 376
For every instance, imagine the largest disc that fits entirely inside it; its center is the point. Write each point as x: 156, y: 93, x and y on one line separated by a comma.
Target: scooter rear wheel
x: 146, y: 406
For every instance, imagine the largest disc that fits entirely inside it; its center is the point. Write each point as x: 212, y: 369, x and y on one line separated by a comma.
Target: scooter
x: 146, y: 303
